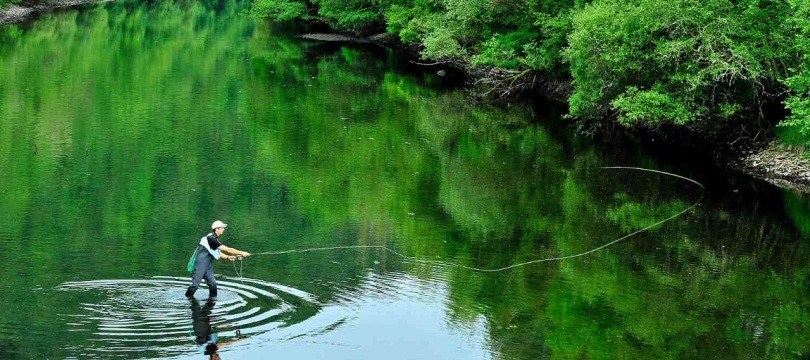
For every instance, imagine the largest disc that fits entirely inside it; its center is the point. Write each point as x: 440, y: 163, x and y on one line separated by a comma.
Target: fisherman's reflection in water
x: 205, y: 336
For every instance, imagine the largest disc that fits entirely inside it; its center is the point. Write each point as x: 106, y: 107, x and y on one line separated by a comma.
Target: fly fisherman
x: 202, y: 262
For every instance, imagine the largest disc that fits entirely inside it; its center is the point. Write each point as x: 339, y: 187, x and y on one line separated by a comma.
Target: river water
x: 128, y: 128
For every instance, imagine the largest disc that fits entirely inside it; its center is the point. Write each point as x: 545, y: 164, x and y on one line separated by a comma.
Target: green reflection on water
x: 128, y: 128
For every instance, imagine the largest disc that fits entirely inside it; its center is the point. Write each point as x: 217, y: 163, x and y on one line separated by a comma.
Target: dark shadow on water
x: 204, y: 334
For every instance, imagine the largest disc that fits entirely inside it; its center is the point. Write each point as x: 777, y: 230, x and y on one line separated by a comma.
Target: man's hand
x: 230, y: 257
x: 244, y: 254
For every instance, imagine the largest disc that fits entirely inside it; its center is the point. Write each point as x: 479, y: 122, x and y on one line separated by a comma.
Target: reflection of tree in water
x: 515, y: 193
x: 703, y: 286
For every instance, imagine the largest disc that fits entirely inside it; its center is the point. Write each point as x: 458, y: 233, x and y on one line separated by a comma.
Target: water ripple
x: 126, y: 315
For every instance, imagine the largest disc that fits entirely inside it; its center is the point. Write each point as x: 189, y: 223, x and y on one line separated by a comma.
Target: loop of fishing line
x: 238, y: 272
x: 473, y: 268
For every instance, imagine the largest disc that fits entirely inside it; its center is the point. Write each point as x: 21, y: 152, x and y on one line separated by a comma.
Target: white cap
x: 218, y: 224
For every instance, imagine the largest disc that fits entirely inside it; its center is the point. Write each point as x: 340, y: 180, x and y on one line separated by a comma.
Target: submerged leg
x: 196, y: 277
x: 212, y: 283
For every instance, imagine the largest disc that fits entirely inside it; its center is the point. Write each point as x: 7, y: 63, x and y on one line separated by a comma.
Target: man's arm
x: 234, y: 252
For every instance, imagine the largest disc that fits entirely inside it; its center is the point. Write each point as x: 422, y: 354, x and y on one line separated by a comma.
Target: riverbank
x: 19, y: 12
x: 777, y: 164
x: 722, y: 78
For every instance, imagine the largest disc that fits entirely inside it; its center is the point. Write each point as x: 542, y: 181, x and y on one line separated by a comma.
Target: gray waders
x: 203, y: 269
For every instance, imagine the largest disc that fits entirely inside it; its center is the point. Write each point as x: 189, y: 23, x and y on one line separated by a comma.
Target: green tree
x: 655, y: 61
x: 796, y: 128
x: 7, y: 2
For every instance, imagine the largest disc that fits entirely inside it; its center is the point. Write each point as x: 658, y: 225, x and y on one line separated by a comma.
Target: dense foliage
x: 710, y: 64
x: 5, y: 2
x: 675, y: 61
x: 797, y: 125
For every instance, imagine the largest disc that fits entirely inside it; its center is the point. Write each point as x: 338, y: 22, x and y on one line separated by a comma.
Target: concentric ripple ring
x: 151, y: 316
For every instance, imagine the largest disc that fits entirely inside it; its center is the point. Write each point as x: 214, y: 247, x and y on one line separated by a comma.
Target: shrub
x: 795, y: 129
x: 3, y: 3
x: 282, y: 10
x: 654, y: 61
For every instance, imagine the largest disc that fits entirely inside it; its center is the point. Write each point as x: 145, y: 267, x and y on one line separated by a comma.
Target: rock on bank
x: 16, y: 13
x: 778, y: 164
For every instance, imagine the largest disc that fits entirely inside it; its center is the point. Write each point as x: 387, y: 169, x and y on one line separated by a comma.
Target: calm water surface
x: 128, y: 128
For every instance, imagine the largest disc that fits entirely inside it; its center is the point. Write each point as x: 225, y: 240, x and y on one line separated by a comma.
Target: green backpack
x: 192, y: 260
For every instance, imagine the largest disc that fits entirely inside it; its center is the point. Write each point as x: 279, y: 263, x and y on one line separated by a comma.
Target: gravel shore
x: 778, y: 164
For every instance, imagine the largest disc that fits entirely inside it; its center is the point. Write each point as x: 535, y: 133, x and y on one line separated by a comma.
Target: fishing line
x: 238, y: 272
x: 500, y: 269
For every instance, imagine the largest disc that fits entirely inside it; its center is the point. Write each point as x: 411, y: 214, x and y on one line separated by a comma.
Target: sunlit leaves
x: 796, y: 128
x: 653, y: 61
